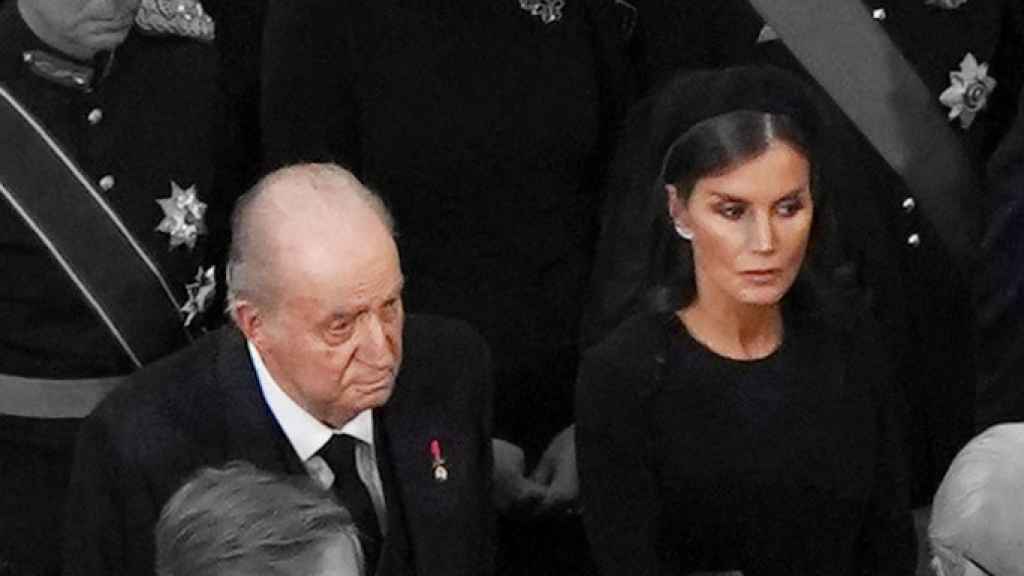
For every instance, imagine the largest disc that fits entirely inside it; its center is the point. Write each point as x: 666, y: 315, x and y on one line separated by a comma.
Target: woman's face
x: 750, y: 227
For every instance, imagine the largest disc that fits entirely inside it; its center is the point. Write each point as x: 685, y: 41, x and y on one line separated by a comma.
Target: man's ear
x: 249, y: 319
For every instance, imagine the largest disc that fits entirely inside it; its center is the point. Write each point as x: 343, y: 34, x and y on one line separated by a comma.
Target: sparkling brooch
x: 176, y: 18
x: 946, y: 4
x: 968, y: 92
x: 549, y: 11
x: 183, y: 216
x: 200, y: 293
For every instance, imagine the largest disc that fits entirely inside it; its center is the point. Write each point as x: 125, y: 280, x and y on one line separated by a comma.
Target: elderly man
x: 239, y: 519
x: 977, y: 517
x: 307, y: 380
x: 109, y: 114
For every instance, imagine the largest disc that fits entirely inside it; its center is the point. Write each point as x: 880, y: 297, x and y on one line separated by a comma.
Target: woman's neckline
x: 684, y: 331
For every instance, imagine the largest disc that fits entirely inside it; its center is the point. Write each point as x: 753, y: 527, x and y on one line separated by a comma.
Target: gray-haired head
x: 281, y: 203
x: 239, y: 520
x: 977, y: 523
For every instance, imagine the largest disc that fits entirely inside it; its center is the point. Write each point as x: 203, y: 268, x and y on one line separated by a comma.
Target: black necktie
x: 340, y: 455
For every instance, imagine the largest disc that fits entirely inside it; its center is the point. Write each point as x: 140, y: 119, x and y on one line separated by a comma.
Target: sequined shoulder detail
x: 175, y: 18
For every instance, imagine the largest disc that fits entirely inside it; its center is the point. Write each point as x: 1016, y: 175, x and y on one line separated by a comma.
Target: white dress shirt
x: 308, y: 435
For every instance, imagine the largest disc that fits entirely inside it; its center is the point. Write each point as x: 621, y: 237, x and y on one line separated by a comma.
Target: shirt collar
x: 306, y: 434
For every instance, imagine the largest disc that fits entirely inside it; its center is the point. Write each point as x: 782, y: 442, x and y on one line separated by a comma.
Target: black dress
x: 785, y: 465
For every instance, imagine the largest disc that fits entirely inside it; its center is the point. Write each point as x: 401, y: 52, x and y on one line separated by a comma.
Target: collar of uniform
x: 22, y: 48
x: 306, y: 434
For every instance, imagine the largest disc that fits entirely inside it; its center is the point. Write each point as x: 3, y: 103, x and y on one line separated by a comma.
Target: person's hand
x: 514, y: 493
x: 557, y: 472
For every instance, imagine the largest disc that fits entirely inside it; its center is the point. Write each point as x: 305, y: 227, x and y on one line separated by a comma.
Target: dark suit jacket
x: 204, y: 407
x: 1000, y: 286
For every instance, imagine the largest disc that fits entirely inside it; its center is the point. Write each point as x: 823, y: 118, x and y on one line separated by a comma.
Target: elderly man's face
x: 81, y: 27
x: 333, y: 339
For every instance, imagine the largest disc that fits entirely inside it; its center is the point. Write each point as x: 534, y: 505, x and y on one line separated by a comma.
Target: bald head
x: 315, y: 286
x: 300, y: 218
x: 977, y: 515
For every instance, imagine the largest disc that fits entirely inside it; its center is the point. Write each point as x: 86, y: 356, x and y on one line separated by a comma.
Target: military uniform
x: 899, y: 257
x: 142, y: 124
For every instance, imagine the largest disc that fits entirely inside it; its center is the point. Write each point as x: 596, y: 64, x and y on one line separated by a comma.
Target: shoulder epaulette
x: 175, y: 18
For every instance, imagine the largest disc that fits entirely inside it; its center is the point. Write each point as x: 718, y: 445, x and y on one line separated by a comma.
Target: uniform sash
x: 107, y: 265
x: 867, y: 76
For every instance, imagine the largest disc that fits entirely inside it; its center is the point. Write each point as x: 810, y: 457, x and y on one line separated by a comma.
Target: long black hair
x: 714, y: 121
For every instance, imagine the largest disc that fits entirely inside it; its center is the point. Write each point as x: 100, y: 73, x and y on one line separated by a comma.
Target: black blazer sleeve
x: 109, y: 512
x: 617, y: 487
x: 308, y: 112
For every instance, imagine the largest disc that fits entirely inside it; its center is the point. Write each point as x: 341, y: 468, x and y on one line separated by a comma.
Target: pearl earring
x: 684, y: 233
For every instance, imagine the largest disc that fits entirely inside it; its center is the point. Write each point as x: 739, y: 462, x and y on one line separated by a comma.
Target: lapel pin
x: 437, y: 462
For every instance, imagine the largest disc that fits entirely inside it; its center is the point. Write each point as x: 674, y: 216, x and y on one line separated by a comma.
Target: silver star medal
x: 968, y: 91
x: 183, y: 216
x: 200, y: 293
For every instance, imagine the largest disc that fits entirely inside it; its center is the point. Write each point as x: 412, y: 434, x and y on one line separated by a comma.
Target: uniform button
x: 95, y: 116
x: 913, y: 240
x: 107, y: 183
x: 879, y: 14
x: 908, y: 204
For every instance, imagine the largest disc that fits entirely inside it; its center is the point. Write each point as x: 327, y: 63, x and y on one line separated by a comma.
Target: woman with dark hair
x: 747, y: 424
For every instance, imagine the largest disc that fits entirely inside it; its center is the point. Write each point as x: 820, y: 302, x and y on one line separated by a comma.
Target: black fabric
x: 1000, y: 286
x: 340, y: 455
x: 203, y: 407
x: 47, y: 192
x: 790, y: 464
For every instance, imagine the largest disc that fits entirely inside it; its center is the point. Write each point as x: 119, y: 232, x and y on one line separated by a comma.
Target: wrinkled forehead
x: 340, y: 269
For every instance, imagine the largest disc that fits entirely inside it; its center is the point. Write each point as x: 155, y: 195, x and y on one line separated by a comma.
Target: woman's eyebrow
x: 725, y: 196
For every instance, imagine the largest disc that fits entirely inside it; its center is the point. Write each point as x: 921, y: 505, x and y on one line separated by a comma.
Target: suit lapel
x: 432, y: 521
x: 396, y: 555
x: 252, y: 433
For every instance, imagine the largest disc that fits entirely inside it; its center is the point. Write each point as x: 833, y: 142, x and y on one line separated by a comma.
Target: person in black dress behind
x: 745, y: 424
